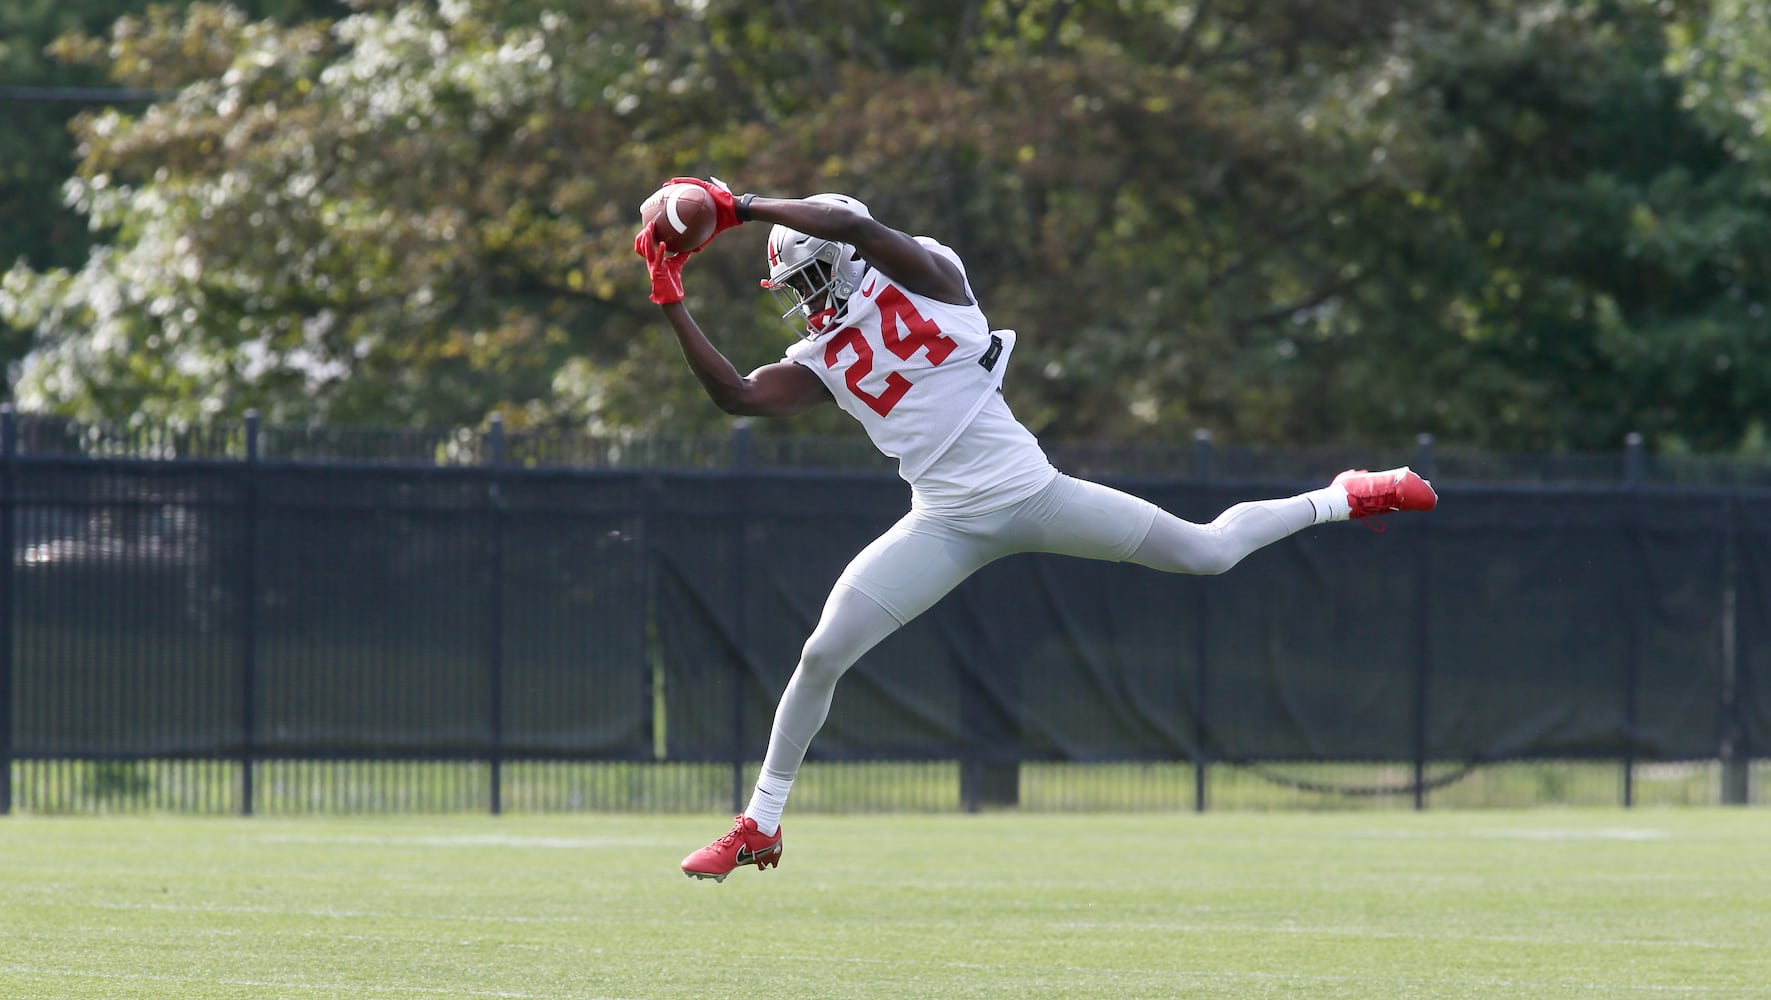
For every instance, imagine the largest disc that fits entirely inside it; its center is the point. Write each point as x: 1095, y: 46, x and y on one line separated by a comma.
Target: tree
x: 367, y: 221
x: 1297, y: 222
x: 1582, y: 253
x: 44, y: 95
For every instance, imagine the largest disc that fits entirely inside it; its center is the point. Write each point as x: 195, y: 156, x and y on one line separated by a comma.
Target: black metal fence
x: 248, y: 619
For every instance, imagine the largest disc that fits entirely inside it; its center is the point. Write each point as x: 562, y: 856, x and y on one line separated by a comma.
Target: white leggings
x: 906, y: 570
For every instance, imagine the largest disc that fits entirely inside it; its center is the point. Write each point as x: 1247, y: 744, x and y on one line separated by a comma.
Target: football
x: 681, y: 216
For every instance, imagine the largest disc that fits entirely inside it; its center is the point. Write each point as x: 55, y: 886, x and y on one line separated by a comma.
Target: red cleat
x: 1387, y: 492
x: 744, y: 845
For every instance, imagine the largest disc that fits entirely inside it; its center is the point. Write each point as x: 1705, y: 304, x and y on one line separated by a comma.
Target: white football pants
x: 906, y: 570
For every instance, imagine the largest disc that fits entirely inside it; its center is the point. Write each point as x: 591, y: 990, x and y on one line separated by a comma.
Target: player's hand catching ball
x: 725, y: 206
x: 687, y: 212
x: 665, y: 267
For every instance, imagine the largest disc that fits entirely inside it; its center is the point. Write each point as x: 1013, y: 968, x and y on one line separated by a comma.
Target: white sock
x: 767, y: 800
x: 1330, y: 503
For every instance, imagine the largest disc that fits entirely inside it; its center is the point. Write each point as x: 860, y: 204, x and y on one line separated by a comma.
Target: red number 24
x: 905, y: 331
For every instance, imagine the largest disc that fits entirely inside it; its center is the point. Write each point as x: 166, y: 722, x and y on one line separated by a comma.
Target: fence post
x: 249, y: 620
x: 1425, y: 461
x: 1201, y: 645
x: 1736, y: 764
x: 496, y: 507
x: 740, y: 602
x: 1632, y: 665
x: 8, y: 611
x: 1425, y: 464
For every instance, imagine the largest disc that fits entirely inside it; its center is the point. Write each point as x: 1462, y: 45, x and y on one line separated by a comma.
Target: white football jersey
x: 913, y: 370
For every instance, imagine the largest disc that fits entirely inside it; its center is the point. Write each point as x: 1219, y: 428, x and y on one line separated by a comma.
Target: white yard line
x: 465, y: 840
x: 1524, y: 987
x: 1369, y: 932
x: 330, y: 913
x: 287, y: 985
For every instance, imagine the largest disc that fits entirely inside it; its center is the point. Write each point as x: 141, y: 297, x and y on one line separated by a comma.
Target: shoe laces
x: 1367, y: 510
x: 1365, y: 506
x: 733, y: 835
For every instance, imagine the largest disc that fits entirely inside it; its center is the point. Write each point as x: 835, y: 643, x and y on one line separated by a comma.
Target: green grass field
x: 1372, y: 906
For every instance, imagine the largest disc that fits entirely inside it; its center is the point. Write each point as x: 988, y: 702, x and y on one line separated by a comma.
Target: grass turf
x: 1543, y: 903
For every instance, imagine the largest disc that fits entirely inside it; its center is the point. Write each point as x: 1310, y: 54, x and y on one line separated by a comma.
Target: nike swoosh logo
x: 867, y: 292
x: 746, y: 856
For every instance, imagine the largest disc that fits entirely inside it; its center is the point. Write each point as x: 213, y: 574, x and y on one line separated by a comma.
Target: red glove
x: 665, y: 267
x: 725, y: 207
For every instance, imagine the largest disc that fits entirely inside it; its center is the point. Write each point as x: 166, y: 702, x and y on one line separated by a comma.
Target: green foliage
x: 1584, y: 252
x: 38, y: 227
x: 1532, y: 226
x: 39, y: 150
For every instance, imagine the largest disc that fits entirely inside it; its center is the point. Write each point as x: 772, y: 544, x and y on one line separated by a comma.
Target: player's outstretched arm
x: 778, y: 390
x: 771, y: 391
x: 898, y: 254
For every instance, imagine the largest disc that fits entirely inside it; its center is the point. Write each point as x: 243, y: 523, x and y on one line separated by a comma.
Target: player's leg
x: 1174, y: 545
x: 1081, y: 518
x: 852, y: 624
x: 1178, y: 546
x: 897, y: 577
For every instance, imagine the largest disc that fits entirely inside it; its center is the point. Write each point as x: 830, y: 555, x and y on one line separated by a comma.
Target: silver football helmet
x: 812, y: 278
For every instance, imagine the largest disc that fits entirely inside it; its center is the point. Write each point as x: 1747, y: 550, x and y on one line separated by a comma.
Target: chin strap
x: 817, y: 322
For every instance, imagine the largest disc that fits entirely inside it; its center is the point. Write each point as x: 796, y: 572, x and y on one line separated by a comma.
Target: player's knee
x: 1213, y: 562
x: 1194, y: 559
x: 823, y: 662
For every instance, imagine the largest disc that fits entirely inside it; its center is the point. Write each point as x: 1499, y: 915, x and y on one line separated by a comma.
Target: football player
x: 890, y: 331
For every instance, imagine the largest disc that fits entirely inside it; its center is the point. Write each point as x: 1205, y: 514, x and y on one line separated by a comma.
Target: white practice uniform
x: 924, y: 378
